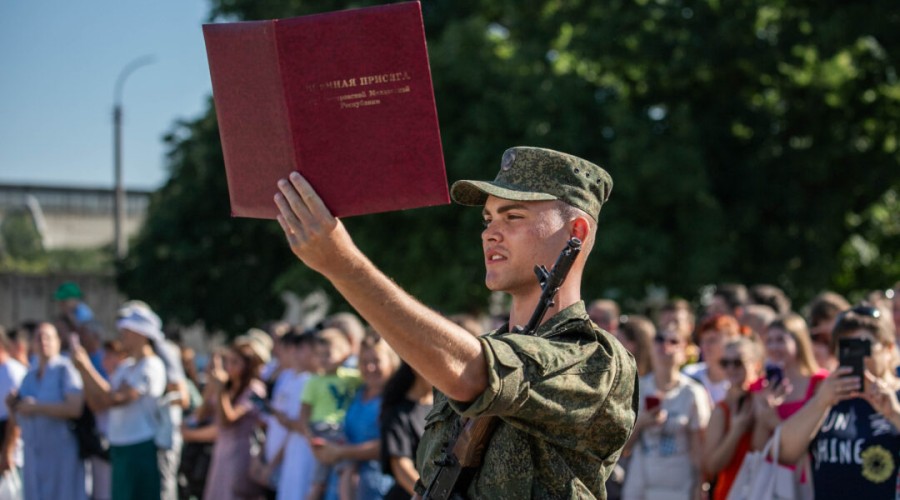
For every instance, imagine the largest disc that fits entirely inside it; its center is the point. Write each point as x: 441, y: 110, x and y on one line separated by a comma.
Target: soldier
x: 566, y: 395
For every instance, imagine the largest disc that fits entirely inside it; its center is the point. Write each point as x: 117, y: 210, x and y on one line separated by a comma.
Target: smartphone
x: 774, y: 374
x: 74, y: 340
x: 742, y: 400
x: 851, y: 352
x: 260, y: 403
x: 317, y: 441
x: 651, y: 402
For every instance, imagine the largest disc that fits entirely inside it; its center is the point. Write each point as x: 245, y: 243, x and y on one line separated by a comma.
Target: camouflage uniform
x: 567, y: 395
x: 567, y: 399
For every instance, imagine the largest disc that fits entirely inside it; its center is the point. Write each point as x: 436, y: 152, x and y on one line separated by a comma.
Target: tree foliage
x: 753, y: 141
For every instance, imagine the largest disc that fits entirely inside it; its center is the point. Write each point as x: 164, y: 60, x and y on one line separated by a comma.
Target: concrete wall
x: 73, y: 217
x: 30, y: 297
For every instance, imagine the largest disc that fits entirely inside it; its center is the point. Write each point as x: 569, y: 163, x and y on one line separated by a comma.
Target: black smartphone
x: 774, y: 374
x: 260, y: 403
x: 851, y: 352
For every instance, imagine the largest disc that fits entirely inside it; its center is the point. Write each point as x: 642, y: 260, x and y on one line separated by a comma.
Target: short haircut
x: 719, y: 322
x: 568, y: 213
x: 332, y: 336
x: 640, y: 330
x: 299, y: 338
x: 380, y: 346
x: 348, y: 323
x: 734, y: 294
x: 750, y: 344
x: 675, y: 305
x: 772, y: 296
x: 608, y: 304
x: 25, y: 331
x: 825, y: 307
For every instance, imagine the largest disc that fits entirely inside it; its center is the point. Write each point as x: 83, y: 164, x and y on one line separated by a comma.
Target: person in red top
x: 731, y: 425
x: 789, y: 347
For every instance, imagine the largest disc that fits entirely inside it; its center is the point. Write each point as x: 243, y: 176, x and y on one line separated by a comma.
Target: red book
x: 344, y: 98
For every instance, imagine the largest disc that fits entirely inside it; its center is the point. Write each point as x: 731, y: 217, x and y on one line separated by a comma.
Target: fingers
x: 848, y: 387
x: 302, y: 213
x: 303, y: 201
x: 841, y: 371
x: 292, y: 236
x: 312, y: 200
x: 661, y: 416
x: 872, y: 379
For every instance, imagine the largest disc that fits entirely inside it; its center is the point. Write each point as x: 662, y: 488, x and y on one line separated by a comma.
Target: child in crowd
x: 300, y: 364
x: 326, y: 397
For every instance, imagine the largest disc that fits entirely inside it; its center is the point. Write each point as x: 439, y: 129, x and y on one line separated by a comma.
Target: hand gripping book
x: 344, y: 98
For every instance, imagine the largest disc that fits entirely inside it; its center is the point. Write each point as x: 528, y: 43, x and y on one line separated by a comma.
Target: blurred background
x: 750, y: 141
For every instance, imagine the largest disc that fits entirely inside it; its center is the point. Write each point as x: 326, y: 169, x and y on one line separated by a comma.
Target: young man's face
x: 519, y: 235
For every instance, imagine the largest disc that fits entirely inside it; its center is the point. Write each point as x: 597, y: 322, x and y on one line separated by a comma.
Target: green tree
x: 191, y: 260
x: 742, y: 140
x: 21, y: 239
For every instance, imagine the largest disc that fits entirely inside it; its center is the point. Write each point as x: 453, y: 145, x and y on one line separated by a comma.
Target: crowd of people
x: 753, y: 374
x: 332, y: 412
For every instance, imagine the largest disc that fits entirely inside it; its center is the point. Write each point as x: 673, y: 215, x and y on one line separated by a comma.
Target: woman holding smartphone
x: 731, y: 425
x: 667, y: 440
x: 850, y: 427
x: 233, y: 382
x: 792, y: 376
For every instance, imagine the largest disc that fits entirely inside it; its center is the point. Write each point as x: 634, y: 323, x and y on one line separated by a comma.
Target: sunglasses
x: 734, y: 363
x: 662, y: 339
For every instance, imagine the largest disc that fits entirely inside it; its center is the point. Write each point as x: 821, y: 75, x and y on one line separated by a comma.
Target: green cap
x: 537, y: 174
x: 67, y: 290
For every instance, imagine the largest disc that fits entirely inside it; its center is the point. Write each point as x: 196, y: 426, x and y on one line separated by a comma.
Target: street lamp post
x: 119, y: 204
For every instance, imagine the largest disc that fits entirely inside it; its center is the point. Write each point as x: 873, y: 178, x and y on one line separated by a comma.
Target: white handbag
x: 762, y: 478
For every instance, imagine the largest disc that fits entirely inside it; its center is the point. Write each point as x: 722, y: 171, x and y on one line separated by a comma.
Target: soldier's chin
x: 492, y: 284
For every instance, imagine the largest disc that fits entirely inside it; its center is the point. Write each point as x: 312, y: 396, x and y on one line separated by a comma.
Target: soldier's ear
x: 581, y: 228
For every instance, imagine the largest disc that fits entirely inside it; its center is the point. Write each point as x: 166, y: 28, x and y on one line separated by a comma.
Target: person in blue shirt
x: 361, y: 477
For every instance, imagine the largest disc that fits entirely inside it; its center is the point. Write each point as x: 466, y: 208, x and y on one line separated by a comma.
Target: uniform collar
x: 575, y: 312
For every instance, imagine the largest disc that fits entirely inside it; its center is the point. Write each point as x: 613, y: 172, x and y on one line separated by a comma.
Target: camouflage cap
x: 537, y: 174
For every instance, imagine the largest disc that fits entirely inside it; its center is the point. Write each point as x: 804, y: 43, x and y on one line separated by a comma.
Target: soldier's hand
x: 316, y: 237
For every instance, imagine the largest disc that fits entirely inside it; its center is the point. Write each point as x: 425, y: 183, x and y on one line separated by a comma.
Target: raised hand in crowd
x: 882, y: 397
x: 650, y: 418
x: 765, y: 402
x: 837, y: 387
x: 217, y: 374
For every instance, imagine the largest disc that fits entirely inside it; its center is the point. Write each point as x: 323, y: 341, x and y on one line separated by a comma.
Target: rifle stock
x: 473, y: 440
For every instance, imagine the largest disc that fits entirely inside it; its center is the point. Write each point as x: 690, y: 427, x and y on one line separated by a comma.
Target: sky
x: 60, y: 61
